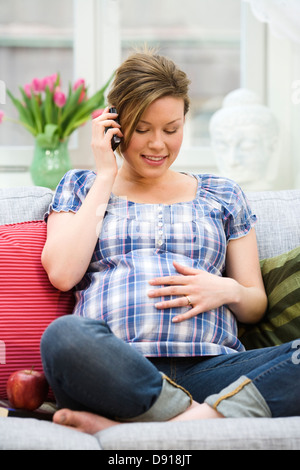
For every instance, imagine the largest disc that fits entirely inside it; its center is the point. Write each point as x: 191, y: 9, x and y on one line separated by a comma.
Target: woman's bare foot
x: 82, y: 421
x: 198, y: 411
x: 92, y: 423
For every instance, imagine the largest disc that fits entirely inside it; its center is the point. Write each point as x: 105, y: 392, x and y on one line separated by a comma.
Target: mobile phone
x: 15, y: 413
x: 116, y: 140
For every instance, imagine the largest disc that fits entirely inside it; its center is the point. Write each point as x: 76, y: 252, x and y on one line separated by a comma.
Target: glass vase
x: 49, y: 165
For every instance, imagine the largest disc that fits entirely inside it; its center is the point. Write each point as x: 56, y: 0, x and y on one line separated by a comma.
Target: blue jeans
x: 89, y: 368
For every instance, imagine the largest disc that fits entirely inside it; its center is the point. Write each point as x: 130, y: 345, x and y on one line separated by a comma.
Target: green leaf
x: 48, y: 109
x: 27, y: 106
x: 37, y: 113
x: 96, y: 101
x: 84, y: 110
x: 49, y: 138
x: 71, y: 105
x: 24, y: 114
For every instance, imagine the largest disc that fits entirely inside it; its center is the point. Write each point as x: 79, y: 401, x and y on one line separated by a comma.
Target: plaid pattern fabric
x: 139, y: 242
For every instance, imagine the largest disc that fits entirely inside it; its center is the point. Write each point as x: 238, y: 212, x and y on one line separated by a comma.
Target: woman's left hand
x: 198, y: 289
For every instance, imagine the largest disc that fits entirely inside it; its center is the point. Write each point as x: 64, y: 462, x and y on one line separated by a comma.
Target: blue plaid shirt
x: 139, y: 242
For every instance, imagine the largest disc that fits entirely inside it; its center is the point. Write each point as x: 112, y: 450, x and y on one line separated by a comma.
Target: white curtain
x: 282, y: 16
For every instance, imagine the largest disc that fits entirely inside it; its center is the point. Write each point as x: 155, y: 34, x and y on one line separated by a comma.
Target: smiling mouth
x: 153, y: 158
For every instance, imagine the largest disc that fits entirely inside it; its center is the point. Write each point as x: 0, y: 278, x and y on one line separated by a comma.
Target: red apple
x: 27, y: 389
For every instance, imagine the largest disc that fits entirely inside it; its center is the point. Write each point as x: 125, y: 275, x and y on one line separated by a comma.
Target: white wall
x: 270, y: 67
x: 282, y: 71
x: 276, y: 78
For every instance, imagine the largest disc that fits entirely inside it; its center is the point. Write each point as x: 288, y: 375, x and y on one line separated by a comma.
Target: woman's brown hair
x: 141, y: 79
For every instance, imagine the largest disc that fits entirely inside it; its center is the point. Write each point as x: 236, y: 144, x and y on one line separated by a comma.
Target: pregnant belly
x: 118, y: 293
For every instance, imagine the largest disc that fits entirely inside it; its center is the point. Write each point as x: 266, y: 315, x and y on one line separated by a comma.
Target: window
x: 89, y: 38
x: 33, y: 44
x: 203, y: 38
x: 71, y: 37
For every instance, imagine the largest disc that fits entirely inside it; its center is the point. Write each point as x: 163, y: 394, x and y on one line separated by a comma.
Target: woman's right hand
x: 105, y: 158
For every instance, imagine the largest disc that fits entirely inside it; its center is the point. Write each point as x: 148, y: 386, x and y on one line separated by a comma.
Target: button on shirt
x: 139, y: 242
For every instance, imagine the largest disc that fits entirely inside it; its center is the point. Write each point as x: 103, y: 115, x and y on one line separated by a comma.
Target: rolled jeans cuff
x: 172, y: 401
x: 240, y: 399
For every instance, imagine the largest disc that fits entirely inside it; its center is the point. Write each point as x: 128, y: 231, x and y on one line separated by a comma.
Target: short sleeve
x: 71, y: 191
x: 238, y: 218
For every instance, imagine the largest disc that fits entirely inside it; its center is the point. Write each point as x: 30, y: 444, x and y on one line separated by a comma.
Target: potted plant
x: 51, y: 116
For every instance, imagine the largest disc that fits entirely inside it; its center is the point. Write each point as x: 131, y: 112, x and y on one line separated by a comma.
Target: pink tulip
x: 49, y: 82
x: 97, y: 113
x: 27, y: 89
x: 53, y: 77
x: 37, y: 85
x: 59, y: 98
x: 1, y: 116
x: 82, y: 96
x: 77, y: 84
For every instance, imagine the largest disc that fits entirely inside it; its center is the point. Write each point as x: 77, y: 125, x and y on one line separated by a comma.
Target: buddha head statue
x: 244, y: 138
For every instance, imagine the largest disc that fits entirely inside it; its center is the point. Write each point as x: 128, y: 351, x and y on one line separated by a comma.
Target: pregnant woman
x: 163, y: 264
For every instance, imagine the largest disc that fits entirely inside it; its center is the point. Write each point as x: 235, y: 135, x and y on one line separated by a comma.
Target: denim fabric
x: 240, y: 399
x: 89, y: 368
x: 273, y: 372
x: 172, y: 401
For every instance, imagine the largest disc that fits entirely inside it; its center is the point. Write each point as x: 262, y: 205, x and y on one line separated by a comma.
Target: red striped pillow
x: 28, y: 302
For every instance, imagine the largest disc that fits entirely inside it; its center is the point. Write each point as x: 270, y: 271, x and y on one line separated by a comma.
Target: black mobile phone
x: 116, y: 140
x: 16, y: 413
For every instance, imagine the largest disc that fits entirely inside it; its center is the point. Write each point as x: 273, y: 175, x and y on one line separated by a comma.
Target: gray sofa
x: 278, y: 230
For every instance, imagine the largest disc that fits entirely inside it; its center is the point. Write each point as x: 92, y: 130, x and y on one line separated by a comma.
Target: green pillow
x: 281, y: 323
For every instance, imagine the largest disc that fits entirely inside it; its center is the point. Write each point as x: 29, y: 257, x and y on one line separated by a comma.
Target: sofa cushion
x: 32, y: 434
x: 28, y: 302
x: 23, y: 204
x: 281, y: 323
x: 203, y: 434
x: 277, y: 228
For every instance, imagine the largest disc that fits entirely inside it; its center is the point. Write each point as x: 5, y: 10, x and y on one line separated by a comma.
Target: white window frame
x: 97, y: 45
x: 253, y: 76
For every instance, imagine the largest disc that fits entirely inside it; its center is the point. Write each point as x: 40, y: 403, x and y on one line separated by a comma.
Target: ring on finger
x: 189, y: 301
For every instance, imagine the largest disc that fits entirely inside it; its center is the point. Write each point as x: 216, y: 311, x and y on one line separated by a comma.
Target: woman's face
x: 157, y: 139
